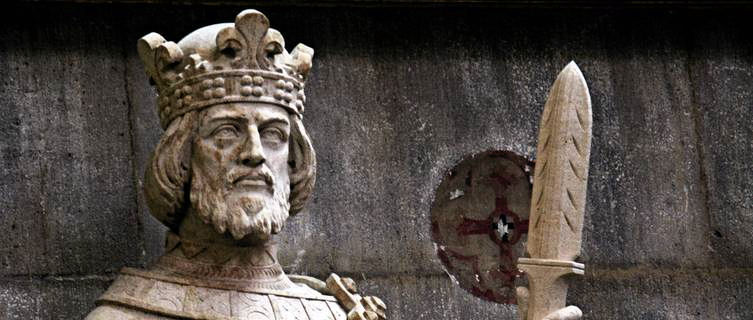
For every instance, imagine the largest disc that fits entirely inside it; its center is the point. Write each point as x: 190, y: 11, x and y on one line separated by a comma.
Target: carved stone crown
x: 222, y: 63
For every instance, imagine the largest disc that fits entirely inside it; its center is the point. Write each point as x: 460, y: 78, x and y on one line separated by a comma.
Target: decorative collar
x: 235, y: 266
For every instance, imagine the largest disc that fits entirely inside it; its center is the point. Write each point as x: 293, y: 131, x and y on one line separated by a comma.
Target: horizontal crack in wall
x: 643, y: 271
x: 599, y: 273
x: 60, y: 277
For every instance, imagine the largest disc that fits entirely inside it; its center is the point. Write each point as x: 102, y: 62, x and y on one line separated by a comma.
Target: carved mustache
x: 263, y: 175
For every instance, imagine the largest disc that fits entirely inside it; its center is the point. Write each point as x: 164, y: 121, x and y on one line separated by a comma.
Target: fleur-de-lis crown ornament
x: 222, y: 63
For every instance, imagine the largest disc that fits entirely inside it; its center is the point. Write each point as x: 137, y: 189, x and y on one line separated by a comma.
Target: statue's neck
x: 218, y: 254
x: 198, y: 251
x: 194, y: 229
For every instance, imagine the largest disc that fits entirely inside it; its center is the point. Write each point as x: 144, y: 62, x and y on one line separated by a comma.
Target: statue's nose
x: 252, y: 154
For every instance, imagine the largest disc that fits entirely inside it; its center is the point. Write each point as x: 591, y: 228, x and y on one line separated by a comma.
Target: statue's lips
x: 253, y: 180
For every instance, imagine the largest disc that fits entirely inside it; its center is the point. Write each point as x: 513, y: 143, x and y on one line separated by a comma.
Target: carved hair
x: 167, y: 177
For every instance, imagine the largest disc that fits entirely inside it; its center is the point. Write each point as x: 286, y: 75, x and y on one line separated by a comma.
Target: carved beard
x: 242, y: 215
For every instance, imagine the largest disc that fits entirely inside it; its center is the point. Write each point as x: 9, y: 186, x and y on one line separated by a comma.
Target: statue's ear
x: 302, y: 165
x: 168, y: 172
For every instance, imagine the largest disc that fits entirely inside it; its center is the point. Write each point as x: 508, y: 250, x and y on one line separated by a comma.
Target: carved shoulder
x: 310, y: 282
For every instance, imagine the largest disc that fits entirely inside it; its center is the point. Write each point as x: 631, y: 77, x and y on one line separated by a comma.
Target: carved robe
x: 195, y: 283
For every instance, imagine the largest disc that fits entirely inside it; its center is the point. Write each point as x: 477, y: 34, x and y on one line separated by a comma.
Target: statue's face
x: 239, y: 164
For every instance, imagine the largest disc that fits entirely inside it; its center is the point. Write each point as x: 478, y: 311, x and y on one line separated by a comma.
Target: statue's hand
x: 566, y: 313
x: 375, y: 305
x: 359, y: 308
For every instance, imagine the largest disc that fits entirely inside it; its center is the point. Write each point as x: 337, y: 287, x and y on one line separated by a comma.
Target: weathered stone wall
x: 397, y: 96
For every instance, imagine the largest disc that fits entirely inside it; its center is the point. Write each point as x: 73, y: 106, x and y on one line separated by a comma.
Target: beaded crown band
x: 223, y: 63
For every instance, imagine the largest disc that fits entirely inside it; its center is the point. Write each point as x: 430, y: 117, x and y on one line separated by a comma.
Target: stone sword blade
x: 559, y: 195
x: 561, y: 173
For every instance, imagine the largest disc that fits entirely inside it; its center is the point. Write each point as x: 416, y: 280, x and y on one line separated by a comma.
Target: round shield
x: 479, y: 222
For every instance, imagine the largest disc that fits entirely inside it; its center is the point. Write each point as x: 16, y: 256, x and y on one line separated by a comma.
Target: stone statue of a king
x: 234, y: 162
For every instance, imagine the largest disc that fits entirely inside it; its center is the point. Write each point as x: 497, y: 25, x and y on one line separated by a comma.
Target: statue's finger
x: 566, y: 313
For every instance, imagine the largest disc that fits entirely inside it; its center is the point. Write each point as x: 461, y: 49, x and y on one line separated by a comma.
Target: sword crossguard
x: 547, y: 284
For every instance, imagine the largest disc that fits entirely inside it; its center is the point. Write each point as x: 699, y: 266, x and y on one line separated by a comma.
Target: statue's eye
x: 272, y: 135
x: 225, y: 132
